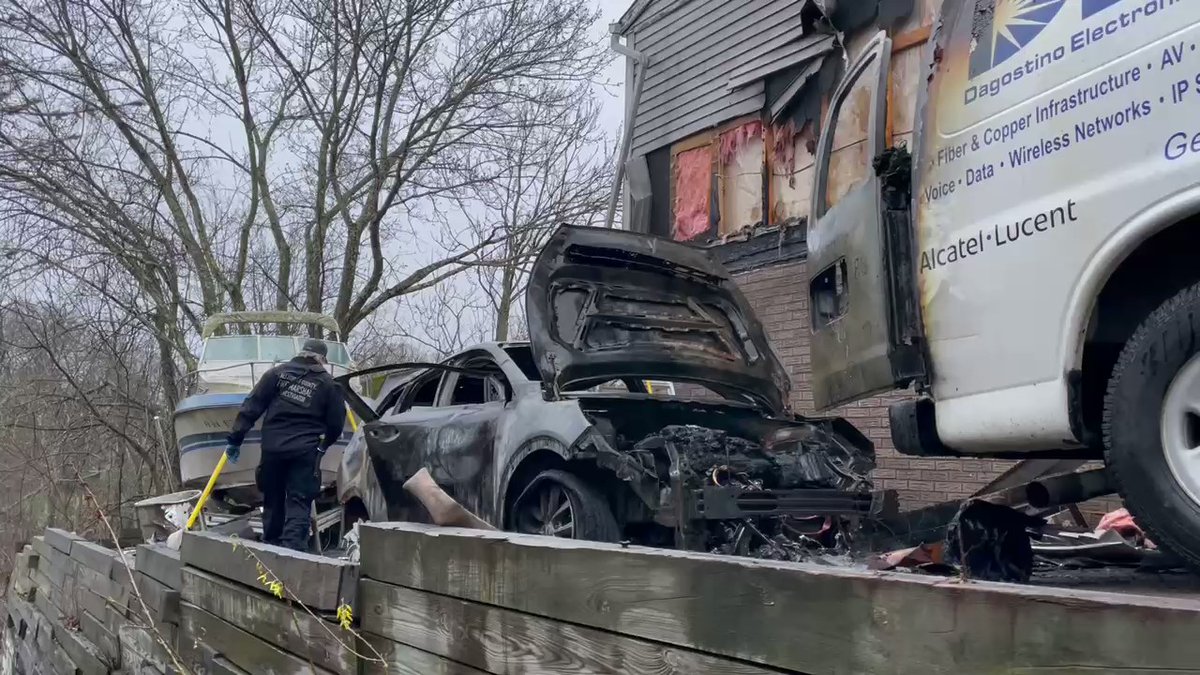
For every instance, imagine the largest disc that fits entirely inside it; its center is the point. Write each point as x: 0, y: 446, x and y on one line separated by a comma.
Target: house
x: 725, y: 104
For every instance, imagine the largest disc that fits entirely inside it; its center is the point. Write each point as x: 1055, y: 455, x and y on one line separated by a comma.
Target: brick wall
x: 778, y: 294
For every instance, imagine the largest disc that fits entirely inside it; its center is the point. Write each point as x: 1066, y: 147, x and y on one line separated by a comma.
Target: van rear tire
x: 1145, y: 427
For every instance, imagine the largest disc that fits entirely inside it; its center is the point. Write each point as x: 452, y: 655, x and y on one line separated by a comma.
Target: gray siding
x: 707, y: 61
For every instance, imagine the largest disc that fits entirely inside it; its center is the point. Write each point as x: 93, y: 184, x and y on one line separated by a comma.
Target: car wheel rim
x: 1181, y: 428
x: 549, y: 512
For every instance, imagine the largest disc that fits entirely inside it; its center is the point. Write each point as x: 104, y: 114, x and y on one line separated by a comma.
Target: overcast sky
x: 613, y: 94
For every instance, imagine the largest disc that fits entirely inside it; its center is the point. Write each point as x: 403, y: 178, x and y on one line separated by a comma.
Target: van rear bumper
x: 914, y: 429
x: 914, y: 433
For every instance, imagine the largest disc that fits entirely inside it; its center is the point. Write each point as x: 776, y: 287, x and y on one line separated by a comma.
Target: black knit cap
x: 315, y: 347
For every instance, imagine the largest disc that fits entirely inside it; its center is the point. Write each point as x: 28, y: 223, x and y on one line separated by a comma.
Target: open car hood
x: 610, y: 304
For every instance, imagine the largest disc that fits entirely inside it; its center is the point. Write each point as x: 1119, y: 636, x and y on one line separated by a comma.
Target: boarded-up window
x: 742, y: 155
x: 792, y: 171
x: 691, y: 187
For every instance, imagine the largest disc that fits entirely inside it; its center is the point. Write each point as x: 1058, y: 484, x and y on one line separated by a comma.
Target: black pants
x: 289, y: 485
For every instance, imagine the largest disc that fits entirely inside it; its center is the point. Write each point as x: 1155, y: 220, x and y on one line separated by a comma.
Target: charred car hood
x: 610, y: 304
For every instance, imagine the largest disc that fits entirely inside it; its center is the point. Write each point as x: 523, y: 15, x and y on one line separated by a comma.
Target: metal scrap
x: 991, y: 542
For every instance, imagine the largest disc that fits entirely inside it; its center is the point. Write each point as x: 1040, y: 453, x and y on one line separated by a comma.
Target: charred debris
x: 785, y: 499
x: 798, y: 495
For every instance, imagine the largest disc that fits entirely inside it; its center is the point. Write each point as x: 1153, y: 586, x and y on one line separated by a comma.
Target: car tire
x: 592, y: 518
x: 1144, y: 426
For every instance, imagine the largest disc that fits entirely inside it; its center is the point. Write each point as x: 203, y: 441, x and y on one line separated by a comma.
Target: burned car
x: 562, y: 436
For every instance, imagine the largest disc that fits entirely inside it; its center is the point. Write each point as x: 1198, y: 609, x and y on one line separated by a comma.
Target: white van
x: 1038, y: 281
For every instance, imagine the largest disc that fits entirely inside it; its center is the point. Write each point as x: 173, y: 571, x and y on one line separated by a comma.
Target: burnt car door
x: 454, y: 437
x: 866, y: 328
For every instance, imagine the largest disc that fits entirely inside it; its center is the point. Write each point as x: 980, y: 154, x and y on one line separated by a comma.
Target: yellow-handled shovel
x: 176, y: 538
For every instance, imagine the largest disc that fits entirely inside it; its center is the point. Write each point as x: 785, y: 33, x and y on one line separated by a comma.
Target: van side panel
x: 1049, y: 128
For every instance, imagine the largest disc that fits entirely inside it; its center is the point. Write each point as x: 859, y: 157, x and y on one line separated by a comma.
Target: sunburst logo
x: 1003, y: 28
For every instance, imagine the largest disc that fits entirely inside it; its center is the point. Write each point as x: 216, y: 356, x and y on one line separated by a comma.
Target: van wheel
x: 559, y: 504
x: 1152, y: 425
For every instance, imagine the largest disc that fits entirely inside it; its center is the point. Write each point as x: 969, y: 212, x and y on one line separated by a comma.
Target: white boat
x: 229, y: 367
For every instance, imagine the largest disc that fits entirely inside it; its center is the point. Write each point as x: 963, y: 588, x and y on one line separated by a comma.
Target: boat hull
x: 202, y: 425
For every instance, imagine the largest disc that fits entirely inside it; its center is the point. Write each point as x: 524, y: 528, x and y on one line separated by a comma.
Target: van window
x: 850, y: 157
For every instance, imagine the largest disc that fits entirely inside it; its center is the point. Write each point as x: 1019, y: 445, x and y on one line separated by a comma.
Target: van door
x: 866, y: 329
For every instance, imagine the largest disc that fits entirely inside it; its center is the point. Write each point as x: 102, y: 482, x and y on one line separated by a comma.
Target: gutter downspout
x: 639, y: 79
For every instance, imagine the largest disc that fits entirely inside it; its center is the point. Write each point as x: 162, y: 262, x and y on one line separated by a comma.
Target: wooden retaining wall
x: 432, y: 601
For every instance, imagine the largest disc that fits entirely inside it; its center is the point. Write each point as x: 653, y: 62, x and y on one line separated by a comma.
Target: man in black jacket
x: 305, y: 413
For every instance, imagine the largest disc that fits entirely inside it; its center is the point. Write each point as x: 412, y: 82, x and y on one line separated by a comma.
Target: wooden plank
x: 239, y: 647
x: 495, y: 639
x: 41, y: 583
x: 25, y: 623
x: 101, y: 636
x: 32, y: 556
x: 28, y: 660
x: 60, y: 661
x: 141, y: 653
x: 810, y: 618
x: 21, y: 561
x: 85, y: 655
x: 55, y: 565
x: 401, y: 659
x: 162, y: 601
x: 321, y: 583
x: 47, y: 605
x: 94, y: 557
x: 51, y: 554
x: 91, y: 580
x: 198, y: 657
x: 45, y: 636
x: 40, y: 546
x: 22, y: 577
x: 90, y: 602
x: 61, y: 540
x: 289, y: 628
x: 124, y: 576
x: 159, y: 563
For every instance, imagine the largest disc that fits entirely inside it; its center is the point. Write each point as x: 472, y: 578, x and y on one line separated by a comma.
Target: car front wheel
x: 559, y: 504
x: 1152, y: 425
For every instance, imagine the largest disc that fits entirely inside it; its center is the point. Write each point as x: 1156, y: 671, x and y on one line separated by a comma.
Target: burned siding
x: 708, y: 59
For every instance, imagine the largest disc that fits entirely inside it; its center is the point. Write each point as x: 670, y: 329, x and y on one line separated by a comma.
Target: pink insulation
x: 786, y: 139
x: 693, y: 189
x: 732, y: 140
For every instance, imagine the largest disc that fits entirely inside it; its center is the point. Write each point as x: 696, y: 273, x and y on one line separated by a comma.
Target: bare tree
x: 554, y: 170
x: 162, y: 162
x: 352, y: 116
x: 75, y: 383
x: 447, y: 319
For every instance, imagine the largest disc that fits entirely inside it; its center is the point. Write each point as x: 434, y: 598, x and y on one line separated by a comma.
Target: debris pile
x: 712, y: 457
x: 782, y: 538
x: 992, y: 542
x: 1117, y: 541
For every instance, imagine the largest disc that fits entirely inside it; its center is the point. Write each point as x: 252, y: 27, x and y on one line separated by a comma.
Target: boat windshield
x: 268, y: 348
x: 271, y: 348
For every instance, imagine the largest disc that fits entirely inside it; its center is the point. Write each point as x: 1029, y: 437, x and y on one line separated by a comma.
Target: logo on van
x: 1091, y: 7
x: 1003, y: 28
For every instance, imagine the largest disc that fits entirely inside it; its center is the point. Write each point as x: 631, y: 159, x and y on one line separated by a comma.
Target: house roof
x: 638, y: 10
x: 630, y: 16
